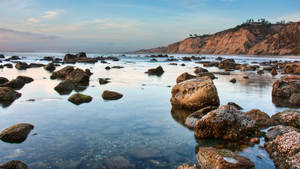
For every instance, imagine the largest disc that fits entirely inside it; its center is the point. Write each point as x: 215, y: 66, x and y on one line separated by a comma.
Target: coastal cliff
x: 252, y: 39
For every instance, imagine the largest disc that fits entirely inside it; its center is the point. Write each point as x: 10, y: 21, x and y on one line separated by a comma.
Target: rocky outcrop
x: 261, y: 118
x: 288, y: 118
x: 292, y: 68
x: 25, y: 79
x: 80, y: 98
x: 8, y: 95
x: 286, y: 91
x: 16, y: 84
x: 195, y: 94
x: 278, y: 131
x: 111, y: 95
x: 103, y: 81
x: 227, y: 123
x: 16, y: 133
x: 155, y: 71
x: 77, y: 76
x: 254, y: 39
x: 14, y: 165
x: 212, y: 158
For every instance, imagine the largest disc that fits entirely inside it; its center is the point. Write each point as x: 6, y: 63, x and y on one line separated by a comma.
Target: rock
x: 227, y: 123
x: 104, y: 80
x: 25, y: 79
x: 111, y: 95
x: 35, y: 65
x: 285, y: 150
x: 233, y: 80
x: 3, y: 80
x: 236, y: 106
x: 155, y: 71
x: 80, y: 98
x: 227, y: 64
x: 16, y: 133
x: 192, y: 120
x: 117, y: 67
x: 208, y: 74
x: 212, y: 158
x: 118, y: 162
x: 65, y: 87
x: 195, y: 94
x: 185, y: 76
x: 293, y: 68
x: 70, y: 57
x: 50, y: 67
x: 288, y: 118
x: 222, y: 73
x: 13, y: 58
x: 261, y: 118
x: 47, y: 58
x: 200, y: 70
x: 187, y: 166
x: 286, y: 91
x: 16, y: 84
x: 2, y: 56
x: 21, y: 66
x: 278, y: 131
x: 107, y: 68
x: 8, y: 65
x: 81, y: 55
x: 8, y: 95
x: 153, y: 60
x: 14, y: 165
x: 273, y: 72
x: 77, y: 76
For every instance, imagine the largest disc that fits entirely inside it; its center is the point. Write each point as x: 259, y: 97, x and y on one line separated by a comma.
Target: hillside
x: 252, y: 39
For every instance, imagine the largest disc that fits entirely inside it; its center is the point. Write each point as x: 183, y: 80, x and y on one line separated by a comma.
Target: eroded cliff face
x: 254, y: 39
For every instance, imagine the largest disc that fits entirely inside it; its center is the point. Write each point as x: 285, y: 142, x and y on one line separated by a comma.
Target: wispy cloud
x: 52, y: 14
x: 32, y: 21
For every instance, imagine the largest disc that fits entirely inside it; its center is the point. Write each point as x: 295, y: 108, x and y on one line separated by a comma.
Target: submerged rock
x: 187, y: 166
x: 16, y: 133
x: 185, y: 76
x: 119, y: 162
x: 195, y: 94
x: 261, y: 118
x: 104, y: 80
x: 144, y: 152
x: 285, y: 150
x: 212, y: 158
x: 8, y: 95
x: 80, y: 98
x: 288, y: 118
x: 226, y: 122
x: 14, y: 165
x: 155, y: 71
x: 111, y: 95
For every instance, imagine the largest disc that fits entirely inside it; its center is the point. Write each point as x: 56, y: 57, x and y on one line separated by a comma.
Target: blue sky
x: 125, y: 25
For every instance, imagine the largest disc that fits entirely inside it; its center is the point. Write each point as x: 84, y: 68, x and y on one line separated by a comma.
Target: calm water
x: 138, y: 131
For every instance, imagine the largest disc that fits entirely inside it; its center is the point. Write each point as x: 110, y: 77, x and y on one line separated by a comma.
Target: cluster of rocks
x: 155, y: 71
x: 82, y: 58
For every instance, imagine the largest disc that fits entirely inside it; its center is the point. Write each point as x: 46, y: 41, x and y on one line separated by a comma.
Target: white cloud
x: 32, y: 21
x: 52, y: 14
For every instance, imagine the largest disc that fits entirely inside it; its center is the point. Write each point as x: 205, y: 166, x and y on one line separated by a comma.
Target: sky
x: 125, y: 25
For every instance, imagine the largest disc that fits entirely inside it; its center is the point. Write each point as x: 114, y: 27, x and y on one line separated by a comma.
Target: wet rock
x: 182, y: 64
x: 70, y: 57
x: 155, y: 71
x: 16, y: 133
x: 117, y: 67
x: 200, y: 70
x: 8, y: 95
x: 111, y: 95
x: 180, y: 115
x: 262, y: 119
x: 227, y: 64
x: 210, y: 64
x: 293, y: 68
x: 153, y: 60
x: 192, y: 120
x: 233, y: 80
x: 278, y: 131
x: 288, y: 118
x: 3, y: 80
x: 25, y: 79
x: 14, y: 165
x: 65, y: 87
x: 35, y: 65
x: 80, y: 98
x: 173, y: 64
x: 285, y: 150
x: 21, y: 66
x: 187, y: 166
x: 47, y: 58
x: 195, y: 94
x: 221, y: 73
x: 273, y: 72
x: 226, y: 122
x: 2, y: 56
x: 104, y: 80
x: 50, y: 67
x: 236, y: 106
x: 13, y: 58
x: 185, y: 76
x: 212, y: 158
x: 16, y: 84
x: 108, y: 58
x: 77, y: 76
x: 208, y: 74
x: 118, y: 162
x: 107, y: 67
x: 8, y: 65
x: 287, y: 89
x: 260, y: 72
x: 219, y: 58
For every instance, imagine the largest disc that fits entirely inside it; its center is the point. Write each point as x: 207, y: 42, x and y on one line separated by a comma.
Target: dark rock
x: 8, y: 95
x: 70, y: 57
x: 144, y: 152
x: 16, y: 133
x: 261, y: 118
x: 288, y: 118
x: 104, y: 80
x: 153, y: 60
x: 236, y: 106
x: 219, y: 58
x: 111, y: 95
x: 208, y: 74
x: 65, y: 87
x: 226, y: 123
x: 21, y: 66
x: 233, y: 80
x: 81, y: 55
x: 14, y: 165
x: 183, y: 77
x: 227, y: 64
x: 8, y: 65
x: 48, y: 58
x: 212, y: 158
x: 117, y: 67
x: 80, y: 98
x: 107, y: 68
x: 222, y: 73
x: 13, y: 58
x: 200, y: 70
x: 155, y: 71
x: 195, y: 94
x: 25, y: 79
x: 77, y: 76
x: 2, y: 56
x: 3, y: 80
x: 260, y: 72
x: 50, y: 67
x: 35, y: 65
x: 273, y: 72
x: 173, y: 64
x: 14, y: 84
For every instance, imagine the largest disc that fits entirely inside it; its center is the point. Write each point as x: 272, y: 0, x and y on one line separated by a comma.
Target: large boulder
x: 111, y: 95
x: 184, y: 76
x: 16, y: 133
x: 16, y: 84
x: 8, y: 95
x: 285, y: 150
x: 14, y: 164
x: 155, y: 71
x: 80, y: 98
x: 195, y: 94
x: 62, y: 73
x: 200, y: 70
x: 292, y: 68
x: 286, y: 91
x: 227, y: 64
x: 65, y: 87
x: 77, y: 76
x: 226, y: 122
x: 21, y: 66
x: 211, y: 158
x: 288, y: 118
x: 262, y: 119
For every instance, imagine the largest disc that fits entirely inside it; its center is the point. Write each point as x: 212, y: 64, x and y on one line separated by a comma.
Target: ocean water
x: 138, y: 131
